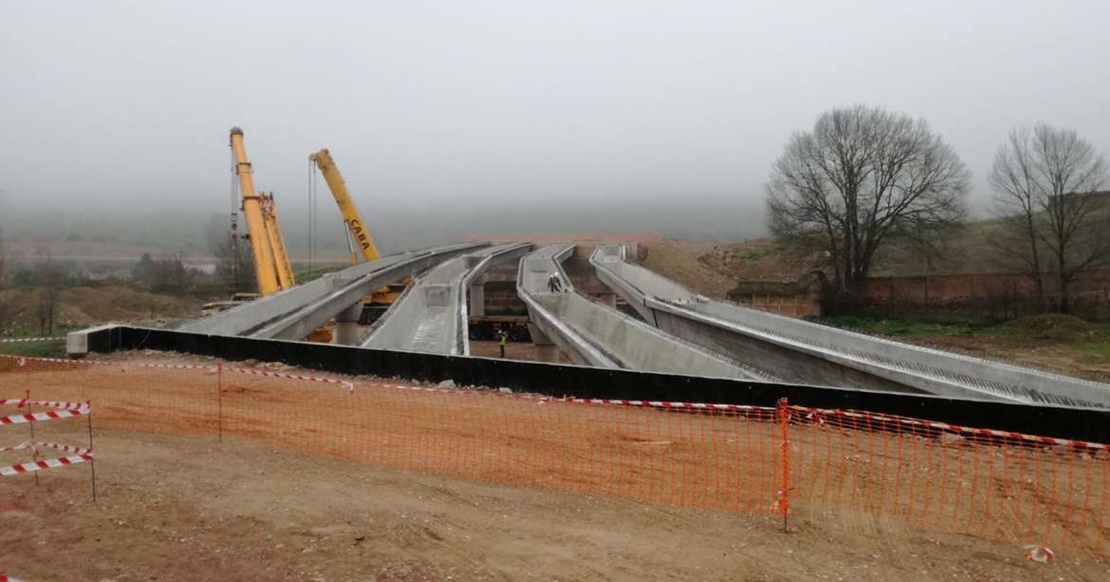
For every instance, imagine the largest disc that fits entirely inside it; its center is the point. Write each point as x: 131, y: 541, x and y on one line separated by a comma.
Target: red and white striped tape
x: 599, y: 401
x: 668, y: 405
x: 19, y: 340
x: 42, y: 416
x: 23, y: 360
x: 23, y: 402
x: 962, y: 430
x: 44, y: 464
x: 206, y: 368
x: 60, y: 447
x: 347, y: 384
x: 18, y: 447
x: 6, y: 578
x: 350, y: 386
x: 416, y: 388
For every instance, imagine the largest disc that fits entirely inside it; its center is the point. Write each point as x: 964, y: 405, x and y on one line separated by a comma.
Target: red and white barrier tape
x: 630, y: 403
x: 962, y: 430
x: 207, y: 368
x: 18, y: 340
x: 6, y: 578
x: 204, y: 367
x: 668, y: 405
x: 60, y: 447
x: 42, y: 416
x: 23, y: 360
x: 23, y: 402
x: 18, y: 447
x: 350, y: 386
x: 44, y: 464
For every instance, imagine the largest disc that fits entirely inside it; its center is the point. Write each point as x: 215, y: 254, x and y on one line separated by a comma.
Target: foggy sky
x: 125, y: 106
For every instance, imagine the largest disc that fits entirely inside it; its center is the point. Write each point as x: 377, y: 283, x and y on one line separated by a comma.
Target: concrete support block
x: 77, y: 342
x: 346, y: 328
x: 477, y: 299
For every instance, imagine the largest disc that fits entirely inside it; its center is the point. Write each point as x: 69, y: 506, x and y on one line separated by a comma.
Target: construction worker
x: 502, y: 338
x: 554, y: 285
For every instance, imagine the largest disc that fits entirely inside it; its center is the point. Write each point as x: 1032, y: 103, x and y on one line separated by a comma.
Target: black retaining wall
x: 584, y: 382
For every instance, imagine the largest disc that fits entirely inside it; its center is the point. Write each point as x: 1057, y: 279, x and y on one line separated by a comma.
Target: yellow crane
x: 271, y: 262
x: 357, y: 234
x: 359, y: 242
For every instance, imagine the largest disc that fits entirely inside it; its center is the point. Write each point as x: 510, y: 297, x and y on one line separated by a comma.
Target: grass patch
x: 1091, y: 339
x: 1095, y: 353
x: 1096, y: 348
x: 901, y: 327
x: 753, y: 255
x: 47, y: 349
x: 305, y: 275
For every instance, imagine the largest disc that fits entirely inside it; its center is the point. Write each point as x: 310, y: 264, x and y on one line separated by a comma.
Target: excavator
x: 359, y: 242
x: 271, y: 261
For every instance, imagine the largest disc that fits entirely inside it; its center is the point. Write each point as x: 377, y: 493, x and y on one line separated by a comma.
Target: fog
x: 451, y: 118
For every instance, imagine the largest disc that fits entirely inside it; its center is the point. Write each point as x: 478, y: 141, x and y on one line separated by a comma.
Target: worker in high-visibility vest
x: 503, y: 338
x: 554, y: 285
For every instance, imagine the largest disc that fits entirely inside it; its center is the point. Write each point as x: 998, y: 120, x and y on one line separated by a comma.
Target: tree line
x: 865, y: 178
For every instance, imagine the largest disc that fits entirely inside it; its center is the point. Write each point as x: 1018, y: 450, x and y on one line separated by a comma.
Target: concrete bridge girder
x: 295, y: 312
x: 815, y: 354
x: 432, y: 318
x: 313, y: 315
x: 594, y: 334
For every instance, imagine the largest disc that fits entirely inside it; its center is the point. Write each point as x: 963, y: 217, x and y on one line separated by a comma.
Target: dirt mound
x: 83, y: 306
x: 758, y: 260
x: 680, y: 261
x: 1049, y: 326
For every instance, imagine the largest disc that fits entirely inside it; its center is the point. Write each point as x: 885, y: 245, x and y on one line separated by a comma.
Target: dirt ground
x: 194, y: 509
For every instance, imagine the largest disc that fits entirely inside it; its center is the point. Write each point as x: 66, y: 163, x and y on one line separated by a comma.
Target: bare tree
x: 46, y: 278
x: 1045, y: 182
x: 3, y: 263
x: 234, y: 260
x: 862, y: 178
x: 6, y: 309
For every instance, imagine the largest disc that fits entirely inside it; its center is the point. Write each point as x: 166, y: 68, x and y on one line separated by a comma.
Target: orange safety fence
x: 824, y: 464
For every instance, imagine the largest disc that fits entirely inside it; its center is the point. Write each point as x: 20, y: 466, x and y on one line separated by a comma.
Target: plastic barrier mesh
x: 829, y: 464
